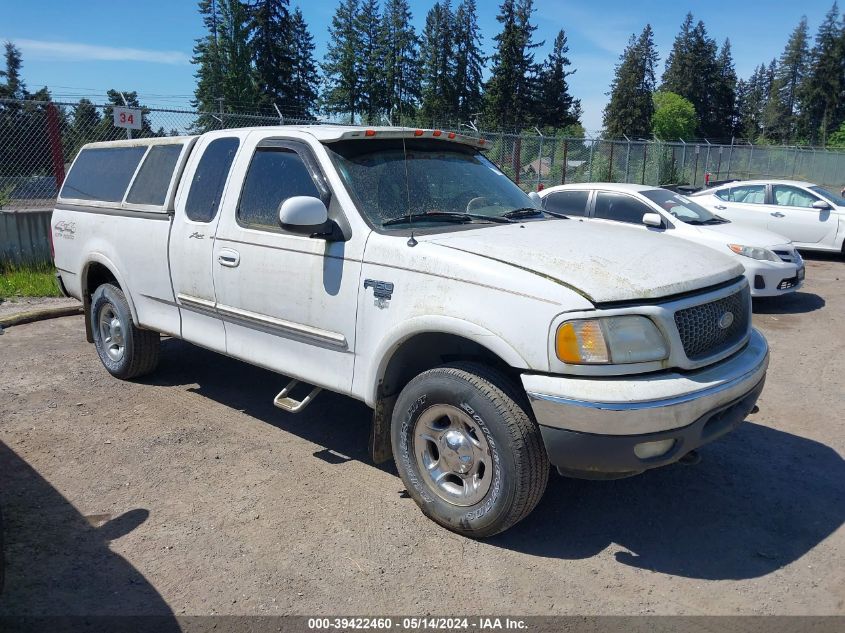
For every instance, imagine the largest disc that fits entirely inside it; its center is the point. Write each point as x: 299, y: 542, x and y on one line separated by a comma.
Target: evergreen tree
x: 401, y: 60
x: 753, y: 103
x: 724, y: 94
x: 692, y: 71
x: 239, y: 86
x: 206, y: 57
x: 437, y: 55
x: 630, y: 109
x: 556, y: 107
x: 510, y: 93
x: 469, y: 62
x: 775, y: 118
x: 743, y: 89
x: 225, y: 76
x: 771, y: 110
x: 792, y: 70
x: 340, y: 67
x: 370, y: 64
x: 272, y: 52
x: 13, y: 86
x: 305, y: 80
x: 820, y: 93
x: 84, y: 125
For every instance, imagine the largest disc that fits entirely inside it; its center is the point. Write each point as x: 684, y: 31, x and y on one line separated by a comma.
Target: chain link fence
x: 38, y: 140
x: 535, y: 161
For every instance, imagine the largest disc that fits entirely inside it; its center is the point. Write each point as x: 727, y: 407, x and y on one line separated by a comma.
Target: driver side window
x: 274, y: 176
x: 787, y: 196
x: 620, y: 208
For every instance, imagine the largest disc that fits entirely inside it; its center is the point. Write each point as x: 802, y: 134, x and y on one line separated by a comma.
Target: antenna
x: 411, y: 240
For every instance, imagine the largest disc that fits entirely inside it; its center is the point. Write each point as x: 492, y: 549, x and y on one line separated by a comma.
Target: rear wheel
x: 467, y: 450
x: 125, y: 350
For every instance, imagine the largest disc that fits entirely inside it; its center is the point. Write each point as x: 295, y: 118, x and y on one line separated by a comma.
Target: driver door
x: 792, y: 215
x: 287, y: 300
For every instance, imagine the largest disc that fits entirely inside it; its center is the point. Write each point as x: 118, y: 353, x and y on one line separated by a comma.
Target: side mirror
x: 821, y: 205
x: 303, y: 213
x: 653, y: 219
x: 536, y: 199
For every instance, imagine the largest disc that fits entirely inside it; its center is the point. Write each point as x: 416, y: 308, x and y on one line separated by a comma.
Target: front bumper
x: 772, y: 279
x: 590, y: 426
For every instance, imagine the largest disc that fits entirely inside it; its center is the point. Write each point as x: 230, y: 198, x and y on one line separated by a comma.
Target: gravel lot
x: 189, y: 493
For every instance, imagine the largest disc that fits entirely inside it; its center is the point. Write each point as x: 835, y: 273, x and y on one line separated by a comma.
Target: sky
x: 83, y: 48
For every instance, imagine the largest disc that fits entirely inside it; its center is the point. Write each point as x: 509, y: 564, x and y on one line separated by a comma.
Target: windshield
x: 443, y: 179
x: 839, y: 201
x: 680, y: 206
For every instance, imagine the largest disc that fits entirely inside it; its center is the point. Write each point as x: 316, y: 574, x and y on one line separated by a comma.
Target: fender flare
x: 431, y: 324
x: 99, y: 258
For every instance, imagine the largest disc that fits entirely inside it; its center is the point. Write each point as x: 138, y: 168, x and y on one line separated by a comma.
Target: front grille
x: 788, y: 256
x: 700, y: 329
x: 786, y: 284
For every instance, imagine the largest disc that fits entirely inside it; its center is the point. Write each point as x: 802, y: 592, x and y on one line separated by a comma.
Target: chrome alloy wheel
x: 112, y: 332
x: 453, y: 455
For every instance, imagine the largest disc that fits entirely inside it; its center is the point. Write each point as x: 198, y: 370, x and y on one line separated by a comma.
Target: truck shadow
x: 58, y: 562
x: 760, y: 499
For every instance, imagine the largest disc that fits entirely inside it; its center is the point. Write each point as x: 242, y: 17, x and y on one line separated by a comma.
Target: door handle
x: 228, y: 257
x: 777, y: 214
x: 721, y: 207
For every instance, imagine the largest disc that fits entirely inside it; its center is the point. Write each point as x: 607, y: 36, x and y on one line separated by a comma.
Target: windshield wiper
x: 527, y: 212
x: 447, y: 216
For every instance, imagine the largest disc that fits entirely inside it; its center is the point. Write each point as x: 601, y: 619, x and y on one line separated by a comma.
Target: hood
x: 739, y: 234
x: 601, y: 262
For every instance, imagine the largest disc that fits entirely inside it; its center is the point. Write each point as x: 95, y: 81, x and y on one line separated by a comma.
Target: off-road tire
x: 520, y: 467
x: 141, y: 347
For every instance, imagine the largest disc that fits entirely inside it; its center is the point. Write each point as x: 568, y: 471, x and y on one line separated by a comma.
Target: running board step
x: 286, y: 403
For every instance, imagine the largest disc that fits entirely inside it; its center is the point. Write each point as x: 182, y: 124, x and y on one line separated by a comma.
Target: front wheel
x: 125, y: 350
x: 467, y: 451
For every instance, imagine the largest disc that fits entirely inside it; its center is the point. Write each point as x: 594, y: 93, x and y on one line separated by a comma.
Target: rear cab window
x: 210, y: 179
x: 139, y: 176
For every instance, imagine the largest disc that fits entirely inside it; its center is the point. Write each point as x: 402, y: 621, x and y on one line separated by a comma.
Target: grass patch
x: 28, y: 281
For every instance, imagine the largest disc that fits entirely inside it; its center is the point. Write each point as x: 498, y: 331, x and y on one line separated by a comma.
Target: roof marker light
x: 451, y: 135
x: 481, y: 141
x: 418, y: 132
x: 436, y: 133
x: 370, y: 133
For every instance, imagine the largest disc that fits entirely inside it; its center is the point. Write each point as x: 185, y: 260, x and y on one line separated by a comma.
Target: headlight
x: 754, y: 252
x: 622, y: 339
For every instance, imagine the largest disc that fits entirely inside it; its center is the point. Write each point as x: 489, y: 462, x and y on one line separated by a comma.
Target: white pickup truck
x: 402, y: 268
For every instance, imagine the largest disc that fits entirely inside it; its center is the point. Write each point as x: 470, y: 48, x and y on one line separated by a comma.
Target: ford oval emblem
x: 726, y: 320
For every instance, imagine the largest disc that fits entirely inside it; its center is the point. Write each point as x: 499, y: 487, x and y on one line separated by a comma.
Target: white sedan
x: 809, y: 215
x: 772, y: 265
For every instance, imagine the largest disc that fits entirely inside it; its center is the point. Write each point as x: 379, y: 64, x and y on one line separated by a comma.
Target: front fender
x: 439, y: 324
